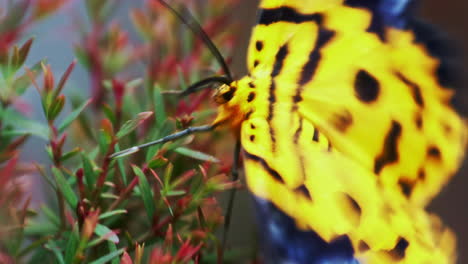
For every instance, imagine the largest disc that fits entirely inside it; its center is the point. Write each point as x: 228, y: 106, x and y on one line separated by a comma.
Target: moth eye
x: 224, y: 94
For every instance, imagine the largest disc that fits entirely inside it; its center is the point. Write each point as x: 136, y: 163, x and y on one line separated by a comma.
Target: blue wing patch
x: 283, y: 243
x: 386, y: 13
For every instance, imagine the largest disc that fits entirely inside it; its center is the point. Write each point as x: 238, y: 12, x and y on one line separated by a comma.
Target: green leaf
x: 159, y: 108
x: 35, y: 246
x: 133, y: 84
x: 20, y: 84
x: 64, y: 79
x: 70, y: 154
x: 113, y: 248
x: 130, y: 125
x: 22, y: 126
x: 104, y: 140
x: 56, y: 250
x: 51, y: 216
x: 40, y: 229
x: 55, y: 107
x: 196, y: 154
x: 109, y: 113
x: 89, y: 174
x: 109, y: 196
x: 156, y: 163
x: 41, y: 255
x: 121, y: 166
x: 72, y: 244
x: 112, y: 213
x: 168, y: 176
x: 65, y: 188
x: 146, y: 193
x: 72, y: 116
x: 102, y: 230
x: 175, y: 193
x: 82, y: 57
x: 24, y: 51
x: 108, y: 257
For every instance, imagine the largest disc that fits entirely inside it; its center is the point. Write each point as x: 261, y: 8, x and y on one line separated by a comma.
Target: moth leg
x: 232, y: 194
x: 171, y: 137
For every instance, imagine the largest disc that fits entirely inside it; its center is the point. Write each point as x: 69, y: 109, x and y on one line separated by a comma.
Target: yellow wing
x: 328, y: 75
x: 360, y: 91
x: 337, y: 197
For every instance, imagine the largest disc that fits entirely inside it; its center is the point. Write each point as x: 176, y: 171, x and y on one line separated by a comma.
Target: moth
x: 346, y: 132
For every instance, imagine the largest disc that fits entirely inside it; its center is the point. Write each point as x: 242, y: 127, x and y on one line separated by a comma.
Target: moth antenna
x: 202, y: 84
x: 196, y: 28
x: 171, y: 137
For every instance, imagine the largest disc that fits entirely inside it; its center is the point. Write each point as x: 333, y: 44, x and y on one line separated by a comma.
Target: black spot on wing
x: 363, y: 246
x: 447, y: 128
x: 297, y: 98
x: 342, y: 120
x: 434, y: 152
x: 415, y: 89
x: 251, y: 97
x: 252, y: 138
x: 251, y: 85
x: 421, y: 174
x: 259, y: 45
x: 303, y: 191
x: 418, y: 120
x: 273, y: 173
x: 256, y: 62
x: 354, y: 204
x: 247, y: 116
x: 316, y: 135
x: 406, y: 186
x: 286, y: 14
x: 366, y: 87
x: 399, y: 251
x: 389, y: 152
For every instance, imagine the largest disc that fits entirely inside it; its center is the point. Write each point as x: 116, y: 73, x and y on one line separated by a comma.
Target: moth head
x: 224, y: 93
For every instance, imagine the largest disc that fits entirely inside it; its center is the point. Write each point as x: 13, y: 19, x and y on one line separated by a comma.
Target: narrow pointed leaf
x: 196, y: 154
x: 112, y: 213
x: 130, y: 125
x: 72, y: 245
x: 121, y: 166
x: 65, y: 188
x: 146, y: 193
x: 72, y: 116
x: 159, y: 108
x: 56, y: 250
x: 102, y: 230
x: 108, y: 257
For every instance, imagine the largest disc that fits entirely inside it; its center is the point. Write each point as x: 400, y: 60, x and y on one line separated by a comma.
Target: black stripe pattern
x: 389, y: 153
x: 272, y: 172
x: 286, y: 14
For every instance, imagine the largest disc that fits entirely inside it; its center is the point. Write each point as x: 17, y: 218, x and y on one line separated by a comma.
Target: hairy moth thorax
x: 236, y: 102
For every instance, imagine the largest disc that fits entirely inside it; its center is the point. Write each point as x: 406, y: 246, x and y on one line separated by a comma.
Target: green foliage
x: 158, y: 206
